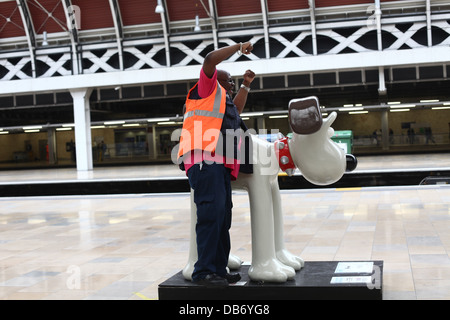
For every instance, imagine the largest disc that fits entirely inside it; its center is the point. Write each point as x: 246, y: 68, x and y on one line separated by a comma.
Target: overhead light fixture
x: 434, y: 108
x: 4, y: 132
x: 403, y: 106
x: 197, y: 24
x: 351, y: 109
x: 168, y: 122
x: 158, y: 120
x: 429, y: 101
x: 131, y: 125
x: 252, y: 114
x: 32, y: 128
x: 197, y: 27
x: 400, y: 110
x: 64, y: 129
x: 32, y: 131
x: 159, y: 7
x: 45, y: 42
x: 279, y: 117
x: 109, y: 123
x: 358, y: 112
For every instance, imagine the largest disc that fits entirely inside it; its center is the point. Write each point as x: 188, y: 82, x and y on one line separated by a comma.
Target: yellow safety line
x: 349, y: 189
x: 140, y: 295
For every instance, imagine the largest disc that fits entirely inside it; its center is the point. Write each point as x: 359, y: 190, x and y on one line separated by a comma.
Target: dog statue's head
x: 320, y: 160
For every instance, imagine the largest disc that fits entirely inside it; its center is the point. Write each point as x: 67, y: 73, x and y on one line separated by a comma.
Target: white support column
x: 312, y: 11
x: 429, y: 33
x: 51, y: 138
x: 378, y: 14
x: 165, y: 25
x: 264, y: 11
x: 385, y: 129
x: 212, y: 13
x: 261, y: 123
x: 382, y: 81
x: 73, y: 17
x: 155, y: 143
x: 82, y: 116
x: 29, y: 32
x: 118, y: 26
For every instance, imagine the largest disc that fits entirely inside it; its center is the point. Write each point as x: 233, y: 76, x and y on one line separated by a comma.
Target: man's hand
x: 247, y: 47
x: 241, y: 98
x: 249, y: 76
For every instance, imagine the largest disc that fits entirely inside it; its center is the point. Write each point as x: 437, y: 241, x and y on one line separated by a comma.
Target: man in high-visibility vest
x: 210, y: 165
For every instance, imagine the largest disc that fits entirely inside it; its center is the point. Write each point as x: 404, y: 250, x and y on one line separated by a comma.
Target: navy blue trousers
x: 212, y: 196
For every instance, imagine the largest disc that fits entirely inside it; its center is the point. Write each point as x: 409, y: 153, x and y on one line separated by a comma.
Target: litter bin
x: 344, y: 139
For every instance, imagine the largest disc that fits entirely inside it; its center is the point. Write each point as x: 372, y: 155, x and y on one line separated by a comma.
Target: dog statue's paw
x: 234, y: 262
x: 290, y: 260
x: 271, y: 271
x: 188, y: 270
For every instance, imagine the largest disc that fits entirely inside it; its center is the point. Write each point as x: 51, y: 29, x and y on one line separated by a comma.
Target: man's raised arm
x: 217, y: 56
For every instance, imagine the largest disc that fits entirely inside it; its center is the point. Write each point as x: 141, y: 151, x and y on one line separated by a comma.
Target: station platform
x: 123, y: 246
x: 385, y: 170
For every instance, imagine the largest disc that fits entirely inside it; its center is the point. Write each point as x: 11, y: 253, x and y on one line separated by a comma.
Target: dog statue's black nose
x: 352, y: 163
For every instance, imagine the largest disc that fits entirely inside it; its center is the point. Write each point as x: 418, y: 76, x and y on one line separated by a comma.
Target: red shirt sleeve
x: 206, y: 85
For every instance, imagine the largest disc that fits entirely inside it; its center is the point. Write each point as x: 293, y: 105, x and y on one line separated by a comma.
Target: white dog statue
x: 321, y: 162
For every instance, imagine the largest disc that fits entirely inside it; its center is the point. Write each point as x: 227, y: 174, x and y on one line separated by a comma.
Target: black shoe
x: 213, y: 281
x: 233, y: 277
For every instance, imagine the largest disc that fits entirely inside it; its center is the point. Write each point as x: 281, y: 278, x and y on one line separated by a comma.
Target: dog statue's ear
x: 305, y: 116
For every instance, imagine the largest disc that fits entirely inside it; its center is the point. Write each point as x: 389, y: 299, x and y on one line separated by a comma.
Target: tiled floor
x: 122, y: 247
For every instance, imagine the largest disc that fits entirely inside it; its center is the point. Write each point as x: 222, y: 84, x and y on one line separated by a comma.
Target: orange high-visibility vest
x: 202, y: 122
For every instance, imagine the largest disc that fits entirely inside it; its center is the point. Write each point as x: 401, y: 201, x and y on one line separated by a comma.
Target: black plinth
x: 316, y: 281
